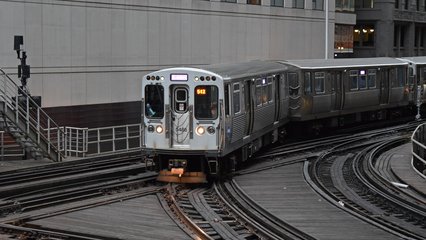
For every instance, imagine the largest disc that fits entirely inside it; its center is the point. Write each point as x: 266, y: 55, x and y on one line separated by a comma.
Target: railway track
x: 346, y: 176
x: 224, y: 211
x: 30, y: 189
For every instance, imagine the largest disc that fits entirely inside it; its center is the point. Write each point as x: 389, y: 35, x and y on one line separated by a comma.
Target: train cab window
x: 353, y: 79
x: 236, y: 98
x: 371, y: 79
x: 362, y: 79
x: 154, y: 101
x: 206, y: 102
x: 319, y: 82
x: 308, y: 83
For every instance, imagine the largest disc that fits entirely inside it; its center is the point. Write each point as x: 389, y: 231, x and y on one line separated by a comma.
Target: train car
x: 337, y: 92
x: 416, y: 78
x: 201, y: 121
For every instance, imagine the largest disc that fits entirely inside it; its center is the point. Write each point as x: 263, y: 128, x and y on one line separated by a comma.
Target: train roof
x: 416, y: 60
x: 344, y: 62
x: 245, y: 69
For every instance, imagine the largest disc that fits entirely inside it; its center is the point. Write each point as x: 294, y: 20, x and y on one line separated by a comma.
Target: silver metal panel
x: 321, y: 103
x: 358, y: 99
x: 238, y: 126
x: 344, y: 63
x: 263, y: 117
x: 397, y: 95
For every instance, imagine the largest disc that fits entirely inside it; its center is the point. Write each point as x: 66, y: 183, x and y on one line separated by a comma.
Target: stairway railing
x: 28, y: 116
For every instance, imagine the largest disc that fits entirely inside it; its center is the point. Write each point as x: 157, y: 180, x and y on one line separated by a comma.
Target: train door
x: 180, y: 116
x: 248, y: 105
x: 384, y: 86
x: 338, y: 93
x: 277, y: 100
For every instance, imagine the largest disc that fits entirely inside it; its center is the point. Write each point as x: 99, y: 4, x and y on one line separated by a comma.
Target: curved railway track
x: 346, y: 176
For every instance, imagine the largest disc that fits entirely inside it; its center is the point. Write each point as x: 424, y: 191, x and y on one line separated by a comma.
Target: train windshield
x: 206, y: 99
x: 154, y: 101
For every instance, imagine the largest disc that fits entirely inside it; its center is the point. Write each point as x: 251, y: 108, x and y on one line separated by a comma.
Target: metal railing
x: 25, y: 113
x: 83, y: 142
x: 418, y: 141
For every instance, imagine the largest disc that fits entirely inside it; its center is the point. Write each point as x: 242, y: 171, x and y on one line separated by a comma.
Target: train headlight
x: 150, y: 128
x: 159, y: 129
x: 211, y: 130
x: 200, y: 130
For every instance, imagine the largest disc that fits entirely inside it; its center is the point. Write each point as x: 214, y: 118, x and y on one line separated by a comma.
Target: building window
x: 396, y: 4
x: 277, y: 3
x: 345, y: 5
x: 254, y: 2
x: 299, y: 4
x: 364, y: 35
x: 343, y: 38
x: 405, y: 4
x: 364, y: 4
x: 231, y: 1
x: 399, y: 36
x: 317, y: 4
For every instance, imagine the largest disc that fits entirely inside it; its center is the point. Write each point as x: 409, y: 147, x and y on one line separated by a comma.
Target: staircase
x: 12, y: 151
x: 29, y: 125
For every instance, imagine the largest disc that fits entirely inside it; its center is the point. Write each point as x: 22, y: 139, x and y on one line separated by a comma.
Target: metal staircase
x: 31, y: 127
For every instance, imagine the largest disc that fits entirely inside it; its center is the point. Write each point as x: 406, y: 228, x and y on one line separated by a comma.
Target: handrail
x: 418, y: 140
x: 30, y: 118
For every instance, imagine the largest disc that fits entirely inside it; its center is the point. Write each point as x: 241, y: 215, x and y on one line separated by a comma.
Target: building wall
x: 395, y: 29
x: 96, y: 52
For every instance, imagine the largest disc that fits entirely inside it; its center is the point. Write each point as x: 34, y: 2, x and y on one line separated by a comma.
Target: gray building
x: 394, y: 28
x: 95, y: 52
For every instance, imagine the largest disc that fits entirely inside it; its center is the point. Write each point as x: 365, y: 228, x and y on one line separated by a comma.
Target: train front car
x: 180, y: 113
x: 199, y: 123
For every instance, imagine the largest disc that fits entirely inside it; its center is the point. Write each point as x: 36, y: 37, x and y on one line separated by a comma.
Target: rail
x: 27, y: 115
x: 83, y: 142
x: 418, y: 141
x: 2, y: 144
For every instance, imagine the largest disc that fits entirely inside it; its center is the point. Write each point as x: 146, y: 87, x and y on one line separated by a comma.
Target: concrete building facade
x: 390, y: 28
x: 95, y: 52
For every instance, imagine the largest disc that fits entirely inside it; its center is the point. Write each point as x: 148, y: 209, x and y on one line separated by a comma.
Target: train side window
x: 308, y: 83
x: 264, y: 91
x: 362, y: 79
x: 227, y: 100
x: 400, y: 77
x: 258, y: 92
x: 353, y: 78
x: 371, y: 79
x: 270, y: 92
x: 236, y: 98
x: 154, y: 104
x: 319, y: 82
x: 206, y: 102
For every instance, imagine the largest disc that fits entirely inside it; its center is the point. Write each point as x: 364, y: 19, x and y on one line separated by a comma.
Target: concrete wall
x: 96, y: 52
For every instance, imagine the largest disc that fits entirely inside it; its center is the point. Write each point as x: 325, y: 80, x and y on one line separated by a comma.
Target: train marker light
x: 159, y: 129
x: 196, y: 79
x: 200, y: 130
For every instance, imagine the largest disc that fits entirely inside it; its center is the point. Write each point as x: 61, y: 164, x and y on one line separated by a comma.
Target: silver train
x: 201, y: 122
